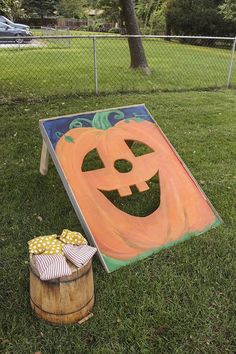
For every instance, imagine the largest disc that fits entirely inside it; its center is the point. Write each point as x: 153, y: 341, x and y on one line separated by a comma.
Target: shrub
x: 114, y: 30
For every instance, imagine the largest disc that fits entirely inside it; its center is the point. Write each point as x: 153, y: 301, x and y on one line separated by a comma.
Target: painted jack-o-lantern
x: 183, y: 209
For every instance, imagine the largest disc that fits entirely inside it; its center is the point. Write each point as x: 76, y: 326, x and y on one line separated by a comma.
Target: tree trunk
x: 137, y: 54
x: 168, y: 28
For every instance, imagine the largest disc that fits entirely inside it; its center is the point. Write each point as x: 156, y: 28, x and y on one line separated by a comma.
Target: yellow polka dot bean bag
x: 45, y: 245
x: 72, y: 237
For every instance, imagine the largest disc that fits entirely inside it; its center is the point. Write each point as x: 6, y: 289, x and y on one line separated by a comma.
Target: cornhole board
x: 121, y: 238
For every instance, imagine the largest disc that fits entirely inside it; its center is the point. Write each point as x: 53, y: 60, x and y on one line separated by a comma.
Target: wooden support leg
x: 44, y: 160
x: 86, y: 318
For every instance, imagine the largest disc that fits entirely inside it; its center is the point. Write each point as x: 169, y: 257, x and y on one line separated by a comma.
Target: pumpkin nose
x: 123, y: 165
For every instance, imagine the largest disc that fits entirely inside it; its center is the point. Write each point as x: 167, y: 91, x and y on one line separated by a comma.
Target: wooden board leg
x: 44, y: 160
x: 86, y: 318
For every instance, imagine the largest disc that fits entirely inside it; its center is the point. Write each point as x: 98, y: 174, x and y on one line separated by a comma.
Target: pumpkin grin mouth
x: 136, y: 202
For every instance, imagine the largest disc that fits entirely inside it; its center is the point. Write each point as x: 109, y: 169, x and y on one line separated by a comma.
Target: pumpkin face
x: 109, y: 178
x: 183, y: 209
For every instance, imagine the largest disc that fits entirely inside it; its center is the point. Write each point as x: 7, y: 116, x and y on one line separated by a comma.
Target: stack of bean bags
x: 50, y: 253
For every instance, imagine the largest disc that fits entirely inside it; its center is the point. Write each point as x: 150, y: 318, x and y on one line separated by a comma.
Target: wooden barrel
x: 63, y: 300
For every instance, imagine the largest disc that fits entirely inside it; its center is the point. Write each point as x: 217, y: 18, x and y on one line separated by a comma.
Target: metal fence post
x: 231, y: 62
x: 95, y: 65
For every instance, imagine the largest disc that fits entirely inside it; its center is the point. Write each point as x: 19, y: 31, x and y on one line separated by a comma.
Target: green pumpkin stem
x: 101, y: 121
x: 78, y: 122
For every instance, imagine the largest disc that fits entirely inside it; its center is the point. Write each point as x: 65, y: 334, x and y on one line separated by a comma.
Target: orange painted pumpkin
x: 183, y: 208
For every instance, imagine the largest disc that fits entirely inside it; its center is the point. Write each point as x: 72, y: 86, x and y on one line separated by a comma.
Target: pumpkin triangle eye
x: 92, y: 161
x: 138, y: 148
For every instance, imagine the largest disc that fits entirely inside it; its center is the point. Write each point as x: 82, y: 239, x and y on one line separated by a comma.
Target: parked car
x: 6, y: 32
x: 5, y: 20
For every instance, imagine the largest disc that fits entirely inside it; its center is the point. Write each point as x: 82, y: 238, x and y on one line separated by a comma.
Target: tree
x: 158, y: 19
x: 202, y: 17
x: 228, y: 10
x: 145, y: 10
x: 71, y: 8
x: 111, y: 10
x: 137, y: 54
x: 12, y: 9
x: 40, y: 8
x: 123, y: 11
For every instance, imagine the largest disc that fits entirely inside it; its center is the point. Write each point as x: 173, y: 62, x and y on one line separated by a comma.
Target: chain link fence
x: 57, y: 32
x: 56, y: 65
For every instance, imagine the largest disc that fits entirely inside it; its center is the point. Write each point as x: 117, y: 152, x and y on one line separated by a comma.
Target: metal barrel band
x: 62, y: 314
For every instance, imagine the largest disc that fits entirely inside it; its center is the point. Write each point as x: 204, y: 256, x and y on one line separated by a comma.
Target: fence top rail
x: 119, y: 36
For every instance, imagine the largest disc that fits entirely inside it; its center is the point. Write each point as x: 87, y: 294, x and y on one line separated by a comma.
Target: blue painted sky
x: 59, y: 126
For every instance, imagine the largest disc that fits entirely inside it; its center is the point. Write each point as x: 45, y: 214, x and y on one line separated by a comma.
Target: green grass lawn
x: 182, y: 300
x: 56, y: 69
